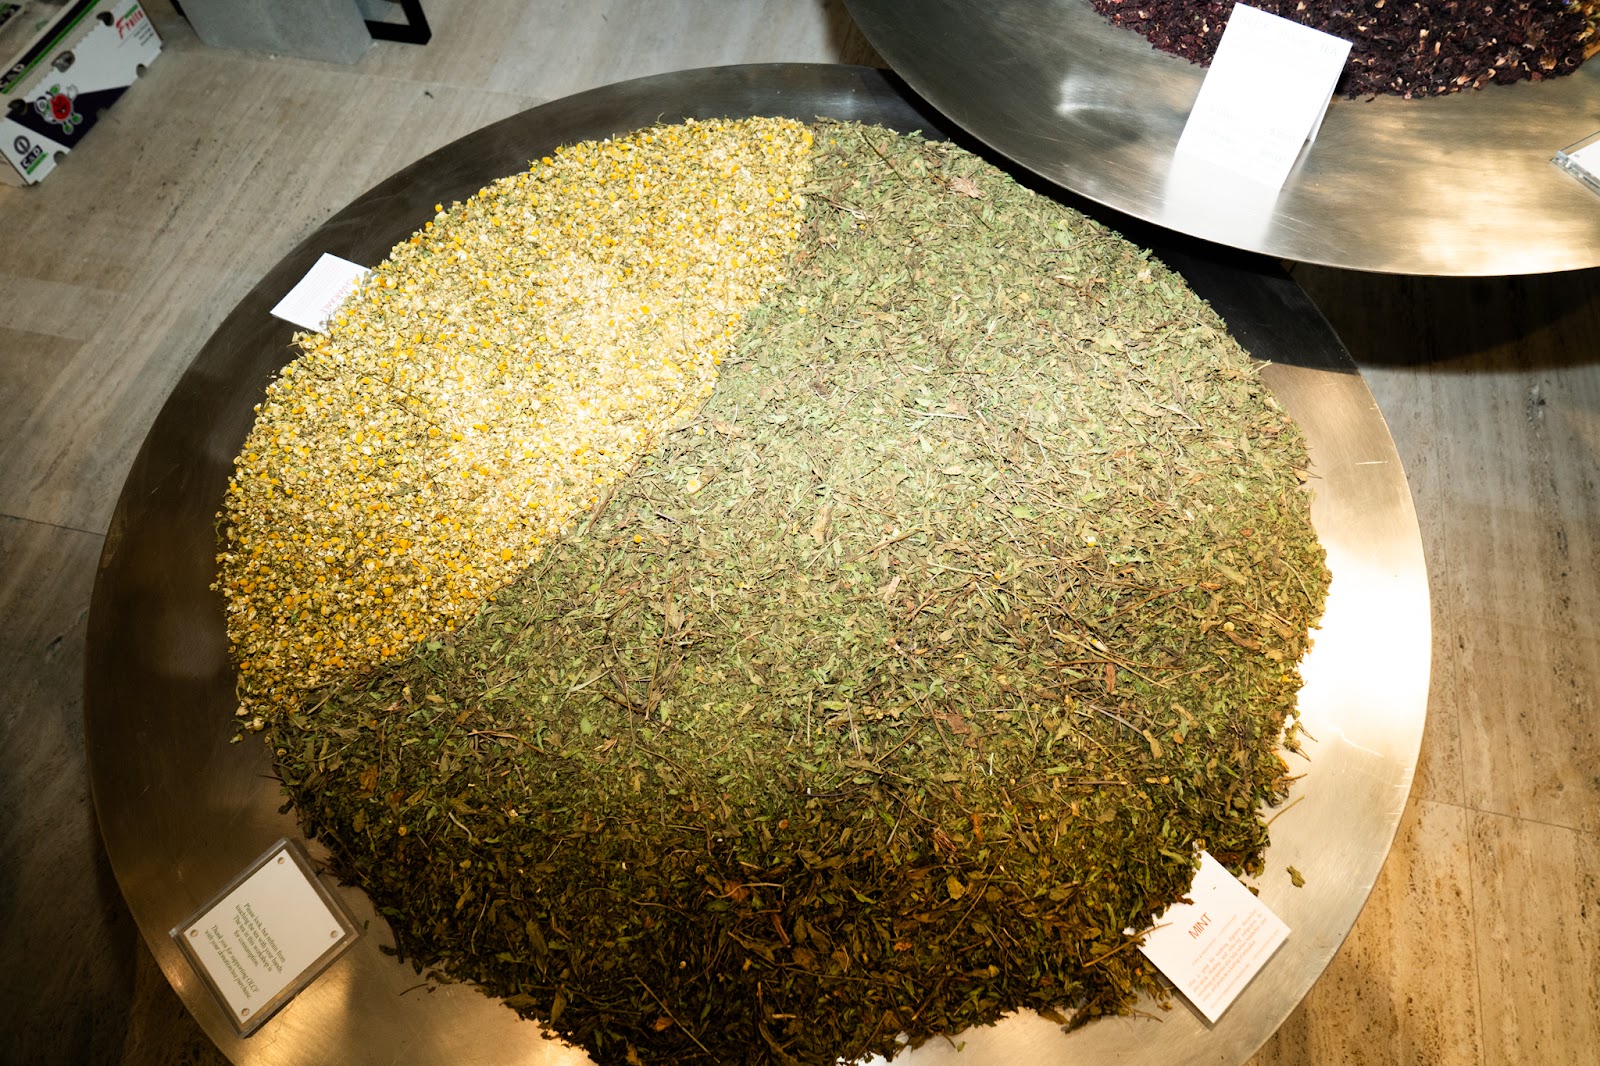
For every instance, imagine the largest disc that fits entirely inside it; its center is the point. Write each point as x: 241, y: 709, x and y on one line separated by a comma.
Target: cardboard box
x: 69, y: 60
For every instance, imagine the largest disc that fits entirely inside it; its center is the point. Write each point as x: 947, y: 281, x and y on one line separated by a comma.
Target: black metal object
x: 414, y: 30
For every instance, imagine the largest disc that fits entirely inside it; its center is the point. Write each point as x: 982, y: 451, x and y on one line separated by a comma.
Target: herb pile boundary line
x: 491, y: 379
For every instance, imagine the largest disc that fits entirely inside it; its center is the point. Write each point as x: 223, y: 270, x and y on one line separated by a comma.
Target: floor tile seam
x: 351, y: 70
x: 1546, y: 823
x: 56, y: 331
x: 1477, y: 934
x: 478, y: 91
x: 1448, y: 662
x: 46, y: 524
x: 1479, y: 929
x: 1542, y: 822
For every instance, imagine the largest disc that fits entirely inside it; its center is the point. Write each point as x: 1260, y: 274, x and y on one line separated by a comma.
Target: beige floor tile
x: 547, y: 49
x: 67, y: 310
x: 28, y: 364
x: 468, y: 40
x: 1529, y: 721
x: 58, y: 900
x: 1537, y: 931
x: 1514, y: 559
x: 615, y: 40
x: 1374, y: 1004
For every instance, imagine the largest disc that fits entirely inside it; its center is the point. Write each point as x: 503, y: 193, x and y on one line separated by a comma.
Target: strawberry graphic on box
x: 54, y: 92
x: 59, y: 107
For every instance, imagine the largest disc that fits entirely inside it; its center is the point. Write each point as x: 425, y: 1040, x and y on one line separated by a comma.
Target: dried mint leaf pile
x: 888, y: 691
x: 1398, y: 47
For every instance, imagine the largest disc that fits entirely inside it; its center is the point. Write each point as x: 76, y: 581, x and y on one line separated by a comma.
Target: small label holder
x: 266, y: 936
x: 1582, y: 161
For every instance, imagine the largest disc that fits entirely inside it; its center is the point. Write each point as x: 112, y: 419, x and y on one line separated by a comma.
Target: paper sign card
x: 1212, y: 947
x: 318, y: 295
x: 266, y: 936
x: 1264, y: 96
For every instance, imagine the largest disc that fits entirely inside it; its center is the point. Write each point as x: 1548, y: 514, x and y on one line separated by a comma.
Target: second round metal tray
x: 1461, y: 184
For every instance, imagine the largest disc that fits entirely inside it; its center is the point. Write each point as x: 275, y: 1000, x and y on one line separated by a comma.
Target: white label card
x: 1582, y: 161
x: 1211, y: 948
x: 1588, y: 157
x: 1265, y: 95
x: 266, y: 936
x: 318, y: 295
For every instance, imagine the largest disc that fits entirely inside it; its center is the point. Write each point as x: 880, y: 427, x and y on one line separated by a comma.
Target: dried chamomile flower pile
x: 491, y: 380
x: 873, y: 698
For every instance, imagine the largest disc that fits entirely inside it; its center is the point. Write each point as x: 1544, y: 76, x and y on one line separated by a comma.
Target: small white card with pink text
x: 1211, y: 947
x: 318, y: 295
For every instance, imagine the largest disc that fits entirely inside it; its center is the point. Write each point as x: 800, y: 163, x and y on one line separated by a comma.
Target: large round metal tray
x: 1454, y: 185
x: 183, y: 810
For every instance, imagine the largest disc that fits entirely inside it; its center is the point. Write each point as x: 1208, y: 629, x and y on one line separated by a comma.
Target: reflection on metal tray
x: 1462, y: 184
x: 182, y: 810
